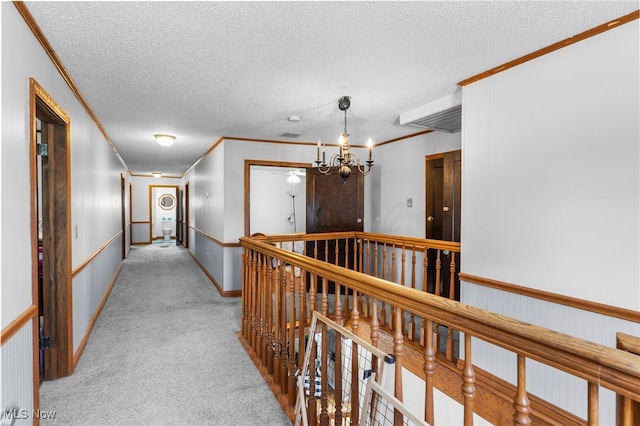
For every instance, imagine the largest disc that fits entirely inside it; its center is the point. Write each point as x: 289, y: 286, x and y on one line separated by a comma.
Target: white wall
x: 95, y: 188
x: 551, y: 195
x: 399, y: 173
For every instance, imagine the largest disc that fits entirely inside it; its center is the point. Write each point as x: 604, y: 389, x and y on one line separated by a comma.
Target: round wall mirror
x: 167, y: 201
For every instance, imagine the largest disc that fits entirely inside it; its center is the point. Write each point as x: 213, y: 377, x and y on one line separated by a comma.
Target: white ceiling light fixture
x: 156, y: 174
x: 164, y: 139
x: 293, y: 177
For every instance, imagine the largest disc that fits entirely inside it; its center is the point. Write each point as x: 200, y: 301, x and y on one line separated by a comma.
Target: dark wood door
x: 179, y: 216
x: 443, y: 201
x: 334, y: 204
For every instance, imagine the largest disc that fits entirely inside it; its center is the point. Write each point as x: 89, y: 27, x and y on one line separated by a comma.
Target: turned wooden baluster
x: 243, y: 283
x: 291, y: 385
x: 247, y: 296
x: 262, y: 273
x: 398, y: 349
x: 385, y: 268
x: 429, y: 370
x: 468, y: 382
x: 437, y: 293
x: 313, y: 294
x: 355, y: 382
x: 452, y: 296
x: 313, y: 286
x: 254, y: 301
x: 312, y: 405
x: 375, y: 338
x: 592, y: 404
x: 324, y: 299
x: 338, y: 379
x: 346, y: 254
x: 357, y: 266
x: 324, y: 384
x: 267, y: 353
x: 345, y: 308
x: 277, y: 340
x: 284, y: 344
x: 337, y: 305
x: 521, y: 400
x: 403, y: 283
x: 359, y: 255
x: 411, y: 335
x: 392, y: 278
x: 355, y: 315
x: 364, y: 257
x: 375, y: 260
x: 375, y: 325
x: 425, y: 266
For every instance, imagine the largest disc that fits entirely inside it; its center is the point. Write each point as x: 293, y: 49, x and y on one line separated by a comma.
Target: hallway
x: 163, y: 352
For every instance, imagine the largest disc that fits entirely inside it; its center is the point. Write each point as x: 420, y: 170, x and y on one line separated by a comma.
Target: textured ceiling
x: 203, y: 70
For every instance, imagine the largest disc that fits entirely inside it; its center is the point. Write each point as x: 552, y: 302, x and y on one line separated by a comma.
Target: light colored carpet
x: 163, y: 352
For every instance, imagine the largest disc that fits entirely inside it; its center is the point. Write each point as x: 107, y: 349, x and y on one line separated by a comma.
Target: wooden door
x: 443, y: 202
x: 179, y: 216
x: 334, y: 205
x: 54, y: 289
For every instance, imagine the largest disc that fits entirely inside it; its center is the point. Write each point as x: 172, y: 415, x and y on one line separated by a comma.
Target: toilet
x: 167, y: 228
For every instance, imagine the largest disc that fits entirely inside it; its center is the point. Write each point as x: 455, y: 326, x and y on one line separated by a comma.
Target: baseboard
x: 230, y: 293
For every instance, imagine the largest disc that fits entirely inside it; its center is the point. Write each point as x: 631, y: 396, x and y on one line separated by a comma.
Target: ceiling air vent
x: 449, y: 120
x: 444, y: 115
x: 289, y: 135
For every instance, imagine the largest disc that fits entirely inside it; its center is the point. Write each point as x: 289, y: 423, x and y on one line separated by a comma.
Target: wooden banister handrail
x: 613, y: 369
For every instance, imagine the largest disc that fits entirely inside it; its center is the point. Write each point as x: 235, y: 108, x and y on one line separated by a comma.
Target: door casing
x: 56, y: 231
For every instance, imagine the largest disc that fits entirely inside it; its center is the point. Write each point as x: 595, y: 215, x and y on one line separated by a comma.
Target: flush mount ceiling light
x: 156, y: 174
x: 164, y: 140
x: 345, y: 159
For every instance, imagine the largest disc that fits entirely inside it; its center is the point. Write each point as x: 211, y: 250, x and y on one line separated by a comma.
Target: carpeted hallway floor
x: 163, y: 352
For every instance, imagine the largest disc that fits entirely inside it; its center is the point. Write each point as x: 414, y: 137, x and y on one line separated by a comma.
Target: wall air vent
x: 290, y: 135
x: 444, y: 115
x: 449, y: 120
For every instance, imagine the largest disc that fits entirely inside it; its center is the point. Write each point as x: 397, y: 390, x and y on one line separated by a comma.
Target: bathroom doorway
x: 163, y: 208
x: 50, y: 154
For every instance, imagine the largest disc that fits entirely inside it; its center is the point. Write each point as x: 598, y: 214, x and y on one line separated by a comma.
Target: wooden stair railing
x: 628, y: 410
x: 279, y: 294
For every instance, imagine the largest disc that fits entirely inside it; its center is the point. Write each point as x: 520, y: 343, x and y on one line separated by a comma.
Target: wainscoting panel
x: 17, y: 374
x: 210, y: 254
x: 90, y: 286
x: 140, y: 233
x: 548, y: 383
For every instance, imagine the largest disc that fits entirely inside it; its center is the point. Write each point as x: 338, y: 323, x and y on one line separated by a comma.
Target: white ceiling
x: 203, y: 70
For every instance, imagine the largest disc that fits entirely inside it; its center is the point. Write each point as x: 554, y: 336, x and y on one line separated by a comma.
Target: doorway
x: 51, y: 233
x: 443, y: 200
x: 163, y: 208
x: 123, y: 221
x: 186, y: 216
x: 291, y: 218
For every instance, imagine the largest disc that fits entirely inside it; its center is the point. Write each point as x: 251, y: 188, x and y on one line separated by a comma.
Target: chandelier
x: 344, y: 160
